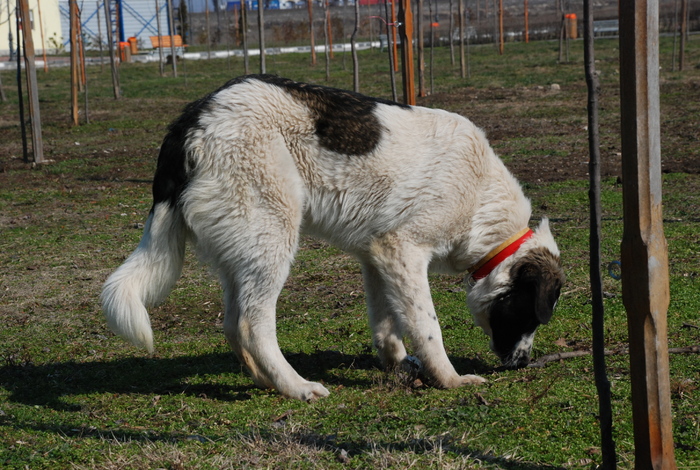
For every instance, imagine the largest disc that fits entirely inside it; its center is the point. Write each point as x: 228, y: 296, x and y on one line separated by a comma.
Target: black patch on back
x: 171, y: 179
x: 345, y: 121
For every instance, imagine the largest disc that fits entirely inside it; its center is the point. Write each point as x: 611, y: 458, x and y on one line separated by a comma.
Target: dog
x: 406, y: 190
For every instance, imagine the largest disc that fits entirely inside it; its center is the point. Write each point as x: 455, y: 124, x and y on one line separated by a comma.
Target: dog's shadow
x: 50, y: 384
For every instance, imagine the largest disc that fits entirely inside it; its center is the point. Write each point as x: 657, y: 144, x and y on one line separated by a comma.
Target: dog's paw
x: 411, y: 365
x: 472, y: 380
x: 310, y: 392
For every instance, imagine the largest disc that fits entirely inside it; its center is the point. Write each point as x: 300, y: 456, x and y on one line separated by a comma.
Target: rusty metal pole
x: 645, y: 284
x: 407, y: 68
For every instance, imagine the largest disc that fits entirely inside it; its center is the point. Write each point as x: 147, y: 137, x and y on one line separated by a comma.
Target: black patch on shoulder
x: 345, y: 121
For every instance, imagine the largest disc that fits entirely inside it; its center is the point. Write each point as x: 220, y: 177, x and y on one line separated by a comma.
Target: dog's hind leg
x: 403, y: 268
x: 386, y: 331
x: 250, y: 296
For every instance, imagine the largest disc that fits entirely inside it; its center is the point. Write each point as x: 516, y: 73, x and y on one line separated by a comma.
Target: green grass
x: 72, y: 395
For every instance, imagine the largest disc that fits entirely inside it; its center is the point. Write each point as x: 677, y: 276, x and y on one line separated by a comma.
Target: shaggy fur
x: 406, y: 190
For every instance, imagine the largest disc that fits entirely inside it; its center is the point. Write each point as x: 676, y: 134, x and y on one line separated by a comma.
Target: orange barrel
x: 133, y: 45
x: 571, y: 25
x: 125, y: 51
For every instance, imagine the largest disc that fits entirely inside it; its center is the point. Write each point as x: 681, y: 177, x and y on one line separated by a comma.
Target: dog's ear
x: 541, y: 271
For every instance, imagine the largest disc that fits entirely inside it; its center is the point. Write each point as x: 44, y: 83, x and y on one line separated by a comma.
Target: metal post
x: 645, y: 284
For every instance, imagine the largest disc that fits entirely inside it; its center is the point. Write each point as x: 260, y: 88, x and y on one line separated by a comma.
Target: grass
x: 74, y: 396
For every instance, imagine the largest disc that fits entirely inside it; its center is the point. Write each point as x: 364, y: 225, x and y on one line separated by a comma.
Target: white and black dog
x: 405, y: 189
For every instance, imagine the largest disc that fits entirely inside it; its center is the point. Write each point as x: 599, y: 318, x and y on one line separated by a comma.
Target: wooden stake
x: 406, y: 33
x: 645, y: 284
x: 500, y: 27
x: 32, y: 89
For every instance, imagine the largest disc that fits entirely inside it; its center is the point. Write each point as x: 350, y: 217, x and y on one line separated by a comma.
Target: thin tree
x: 326, y: 40
x: 112, y: 57
x: 421, y: 51
x: 390, y: 27
x: 451, y: 27
x: 161, y: 66
x: 261, y: 33
x: 20, y: 95
x: 3, y: 97
x: 462, y: 62
x: 598, y: 317
x: 432, y: 41
x: 43, y: 42
x: 355, y: 62
x: 684, y: 33
x: 208, y: 23
x: 171, y: 25
x: 244, y: 33
x: 312, y: 38
x: 99, y: 36
x: 73, y: 21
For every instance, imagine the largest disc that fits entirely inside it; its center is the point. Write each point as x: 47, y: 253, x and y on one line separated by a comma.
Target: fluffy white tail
x: 146, y: 277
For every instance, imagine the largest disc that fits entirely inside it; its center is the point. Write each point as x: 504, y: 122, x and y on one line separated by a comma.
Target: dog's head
x: 518, y: 296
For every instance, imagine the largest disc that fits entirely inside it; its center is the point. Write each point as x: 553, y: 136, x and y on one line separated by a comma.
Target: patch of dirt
x: 542, y: 133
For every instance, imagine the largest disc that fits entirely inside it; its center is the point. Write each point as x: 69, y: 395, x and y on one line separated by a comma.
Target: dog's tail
x: 146, y: 277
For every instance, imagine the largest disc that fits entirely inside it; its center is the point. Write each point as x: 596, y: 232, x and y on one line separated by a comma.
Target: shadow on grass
x: 46, y: 384
x: 53, y: 385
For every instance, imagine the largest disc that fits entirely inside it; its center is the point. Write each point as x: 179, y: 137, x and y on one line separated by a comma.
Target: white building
x: 45, y: 18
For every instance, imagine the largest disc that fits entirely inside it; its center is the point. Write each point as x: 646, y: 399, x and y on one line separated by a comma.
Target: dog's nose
x: 516, y: 361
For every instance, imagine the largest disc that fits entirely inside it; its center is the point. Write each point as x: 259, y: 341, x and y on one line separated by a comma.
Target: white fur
x: 431, y: 196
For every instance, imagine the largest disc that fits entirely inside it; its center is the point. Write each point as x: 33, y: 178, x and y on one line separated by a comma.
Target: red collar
x: 489, y: 262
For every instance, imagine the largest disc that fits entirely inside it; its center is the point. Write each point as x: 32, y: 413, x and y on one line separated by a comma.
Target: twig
x: 587, y: 352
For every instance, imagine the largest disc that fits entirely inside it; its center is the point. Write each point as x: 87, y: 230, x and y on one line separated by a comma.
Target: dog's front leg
x: 403, y: 270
